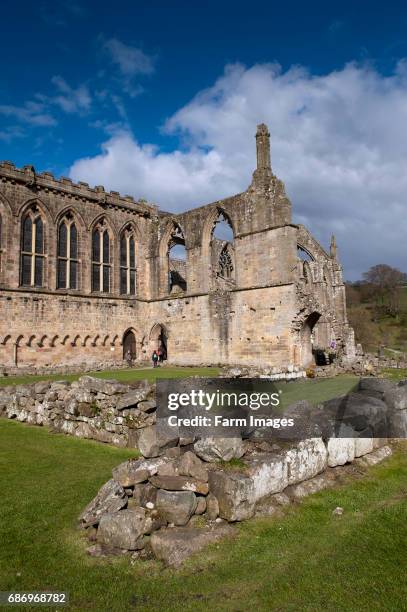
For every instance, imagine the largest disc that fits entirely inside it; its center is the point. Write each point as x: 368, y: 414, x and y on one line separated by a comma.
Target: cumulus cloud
x: 339, y: 142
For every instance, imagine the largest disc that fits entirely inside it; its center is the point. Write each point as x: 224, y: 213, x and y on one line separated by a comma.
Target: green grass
x: 308, y: 560
x: 126, y: 376
x: 395, y: 373
x: 315, y: 390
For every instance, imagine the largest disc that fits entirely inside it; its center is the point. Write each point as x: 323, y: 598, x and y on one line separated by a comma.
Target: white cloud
x: 40, y: 112
x: 10, y: 133
x: 131, y: 60
x: 339, y: 142
x: 31, y: 113
x: 69, y: 99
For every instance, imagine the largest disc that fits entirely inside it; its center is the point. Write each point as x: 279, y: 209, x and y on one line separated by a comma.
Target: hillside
x: 373, y: 326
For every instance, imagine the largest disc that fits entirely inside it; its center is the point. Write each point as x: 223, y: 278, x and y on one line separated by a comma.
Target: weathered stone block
x: 180, y: 483
x: 219, y: 449
x: 134, y: 471
x: 153, y: 440
x: 133, y: 398
x: 124, y: 529
x: 307, y: 459
x: 174, y: 546
x: 234, y: 493
x: 340, y: 451
x: 191, y: 465
x: 176, y: 507
x: 363, y: 446
x: 110, y: 498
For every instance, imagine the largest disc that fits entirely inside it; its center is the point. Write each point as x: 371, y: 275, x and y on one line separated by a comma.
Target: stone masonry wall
x: 274, y: 310
x: 103, y: 410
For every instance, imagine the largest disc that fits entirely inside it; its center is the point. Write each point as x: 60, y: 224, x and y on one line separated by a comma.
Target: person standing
x: 129, y: 358
x: 154, y: 358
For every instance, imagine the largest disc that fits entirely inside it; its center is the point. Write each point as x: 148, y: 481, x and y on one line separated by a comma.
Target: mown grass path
x: 308, y: 560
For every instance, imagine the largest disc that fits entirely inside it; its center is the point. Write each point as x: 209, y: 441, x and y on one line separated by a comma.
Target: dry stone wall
x: 94, y: 408
x: 184, y: 493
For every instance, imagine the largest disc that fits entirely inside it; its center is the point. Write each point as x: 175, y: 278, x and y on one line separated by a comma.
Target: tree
x: 366, y: 332
x: 386, y: 282
x: 352, y: 295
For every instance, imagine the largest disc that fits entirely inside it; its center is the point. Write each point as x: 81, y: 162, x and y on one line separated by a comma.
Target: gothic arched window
x: 68, y: 261
x: 128, y: 263
x: 33, y: 249
x: 225, y: 267
x: 101, y: 259
x: 222, y: 252
x: 177, y: 261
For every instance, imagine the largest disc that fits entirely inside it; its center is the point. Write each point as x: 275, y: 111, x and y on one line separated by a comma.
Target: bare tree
x: 386, y: 282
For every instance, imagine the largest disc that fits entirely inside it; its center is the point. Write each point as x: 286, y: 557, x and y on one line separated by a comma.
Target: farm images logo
x: 262, y: 409
x: 223, y: 407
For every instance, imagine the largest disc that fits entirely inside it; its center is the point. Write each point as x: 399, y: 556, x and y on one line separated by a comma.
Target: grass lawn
x: 315, y: 390
x: 309, y: 560
x: 125, y: 376
x: 395, y: 373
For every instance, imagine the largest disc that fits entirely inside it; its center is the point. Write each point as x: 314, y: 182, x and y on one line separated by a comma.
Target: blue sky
x: 161, y: 100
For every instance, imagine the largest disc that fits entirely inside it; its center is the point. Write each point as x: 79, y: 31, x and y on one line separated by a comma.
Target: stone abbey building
x: 88, y: 277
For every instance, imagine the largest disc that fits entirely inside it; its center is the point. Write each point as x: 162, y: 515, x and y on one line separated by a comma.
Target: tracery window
x: 128, y: 263
x: 68, y: 254
x: 225, y: 267
x: 222, y: 252
x: 32, y: 249
x: 101, y: 258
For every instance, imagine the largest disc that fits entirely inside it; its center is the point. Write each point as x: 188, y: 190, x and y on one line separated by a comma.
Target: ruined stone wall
x: 45, y: 328
x: 271, y: 309
x: 238, y: 327
x: 103, y: 410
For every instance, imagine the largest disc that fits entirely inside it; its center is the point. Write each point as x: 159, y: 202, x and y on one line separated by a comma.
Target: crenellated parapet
x: 65, y: 187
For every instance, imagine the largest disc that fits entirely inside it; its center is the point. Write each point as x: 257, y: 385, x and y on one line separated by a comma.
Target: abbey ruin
x: 90, y: 277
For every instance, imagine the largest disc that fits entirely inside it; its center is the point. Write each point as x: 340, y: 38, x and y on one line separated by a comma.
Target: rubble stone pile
x: 189, y: 492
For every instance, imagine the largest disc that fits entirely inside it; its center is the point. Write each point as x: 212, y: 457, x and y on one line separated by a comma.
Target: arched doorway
x: 158, y: 340
x: 129, y: 346
x: 307, y: 340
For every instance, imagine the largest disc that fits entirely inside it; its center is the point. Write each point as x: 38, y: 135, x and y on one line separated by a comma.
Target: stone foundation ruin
x: 183, y: 493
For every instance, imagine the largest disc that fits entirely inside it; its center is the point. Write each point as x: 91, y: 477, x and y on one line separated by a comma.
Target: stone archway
x: 307, y: 340
x: 129, y: 345
x: 158, y: 339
